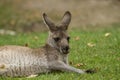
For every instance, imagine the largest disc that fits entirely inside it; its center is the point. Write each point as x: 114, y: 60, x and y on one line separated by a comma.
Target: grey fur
x: 18, y: 61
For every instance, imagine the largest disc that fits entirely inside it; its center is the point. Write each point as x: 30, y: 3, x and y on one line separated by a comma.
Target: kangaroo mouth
x: 64, y: 51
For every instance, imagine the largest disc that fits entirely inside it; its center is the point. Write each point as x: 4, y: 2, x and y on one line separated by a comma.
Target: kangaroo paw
x: 90, y: 71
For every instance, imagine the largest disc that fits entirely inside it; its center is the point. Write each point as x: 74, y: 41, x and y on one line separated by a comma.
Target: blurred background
x: 26, y: 15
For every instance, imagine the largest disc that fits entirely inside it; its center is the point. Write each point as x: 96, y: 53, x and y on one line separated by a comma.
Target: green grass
x: 104, y: 57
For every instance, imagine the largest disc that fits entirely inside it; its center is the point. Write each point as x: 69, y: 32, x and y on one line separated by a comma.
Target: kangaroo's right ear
x: 49, y: 23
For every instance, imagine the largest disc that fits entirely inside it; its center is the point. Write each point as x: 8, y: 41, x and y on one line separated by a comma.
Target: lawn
x: 90, y: 49
x: 97, y: 49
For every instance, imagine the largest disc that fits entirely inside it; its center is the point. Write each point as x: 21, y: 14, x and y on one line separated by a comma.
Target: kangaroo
x: 19, y: 61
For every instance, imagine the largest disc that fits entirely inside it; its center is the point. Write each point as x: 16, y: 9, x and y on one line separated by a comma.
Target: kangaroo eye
x: 68, y: 38
x: 57, y: 39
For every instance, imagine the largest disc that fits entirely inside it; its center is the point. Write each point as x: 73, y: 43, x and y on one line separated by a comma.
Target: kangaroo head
x: 58, y: 36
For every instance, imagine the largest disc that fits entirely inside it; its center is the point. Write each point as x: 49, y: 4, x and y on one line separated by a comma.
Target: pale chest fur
x: 22, y: 61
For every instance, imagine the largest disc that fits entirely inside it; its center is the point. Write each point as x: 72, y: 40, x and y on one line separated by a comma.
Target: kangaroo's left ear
x: 66, y: 20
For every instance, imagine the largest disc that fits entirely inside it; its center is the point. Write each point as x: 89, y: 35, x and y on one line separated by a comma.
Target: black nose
x: 66, y: 48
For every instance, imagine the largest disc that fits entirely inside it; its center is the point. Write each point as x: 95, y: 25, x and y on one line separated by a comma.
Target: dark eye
x: 68, y: 38
x: 57, y: 39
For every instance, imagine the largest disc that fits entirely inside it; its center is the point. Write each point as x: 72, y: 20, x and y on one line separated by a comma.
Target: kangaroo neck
x: 50, y: 51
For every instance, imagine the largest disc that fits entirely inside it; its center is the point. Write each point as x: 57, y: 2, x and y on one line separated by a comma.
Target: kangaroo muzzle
x: 65, y: 49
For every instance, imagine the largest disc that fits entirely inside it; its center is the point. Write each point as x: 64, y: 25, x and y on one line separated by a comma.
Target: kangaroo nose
x: 66, y: 48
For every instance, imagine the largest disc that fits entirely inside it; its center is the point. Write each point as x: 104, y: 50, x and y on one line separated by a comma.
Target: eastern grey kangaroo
x: 18, y: 61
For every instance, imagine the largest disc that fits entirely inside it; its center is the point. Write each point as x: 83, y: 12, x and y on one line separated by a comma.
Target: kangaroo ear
x: 49, y: 22
x: 66, y: 20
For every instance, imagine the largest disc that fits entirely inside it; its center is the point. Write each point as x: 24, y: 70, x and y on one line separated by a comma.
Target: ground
x: 90, y: 49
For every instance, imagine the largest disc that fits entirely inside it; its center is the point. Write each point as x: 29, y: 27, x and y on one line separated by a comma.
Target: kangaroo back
x: 22, y: 61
